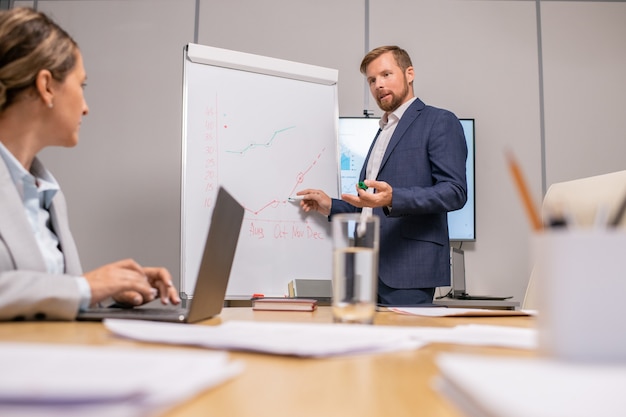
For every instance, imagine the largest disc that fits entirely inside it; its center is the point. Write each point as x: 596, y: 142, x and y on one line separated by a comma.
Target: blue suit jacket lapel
x: 407, y: 119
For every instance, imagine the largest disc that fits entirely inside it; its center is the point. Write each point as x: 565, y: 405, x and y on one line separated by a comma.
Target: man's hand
x: 380, y: 198
x: 316, y: 200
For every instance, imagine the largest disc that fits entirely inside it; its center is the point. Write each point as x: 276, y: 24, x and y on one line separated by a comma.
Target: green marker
x: 362, y: 185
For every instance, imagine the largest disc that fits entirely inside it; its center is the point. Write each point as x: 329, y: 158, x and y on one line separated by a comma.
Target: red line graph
x: 299, y: 180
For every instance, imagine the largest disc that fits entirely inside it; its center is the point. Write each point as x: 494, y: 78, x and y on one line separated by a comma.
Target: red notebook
x: 284, y: 304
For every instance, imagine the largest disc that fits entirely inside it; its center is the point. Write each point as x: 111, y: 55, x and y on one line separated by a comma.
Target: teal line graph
x: 261, y: 145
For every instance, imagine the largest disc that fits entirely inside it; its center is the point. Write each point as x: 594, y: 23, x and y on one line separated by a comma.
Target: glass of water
x: 355, y: 267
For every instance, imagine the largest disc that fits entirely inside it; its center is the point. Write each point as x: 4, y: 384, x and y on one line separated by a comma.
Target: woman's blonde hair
x: 30, y: 42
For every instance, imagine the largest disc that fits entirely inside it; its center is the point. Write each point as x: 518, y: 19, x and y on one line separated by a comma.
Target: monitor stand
x: 478, y: 297
x: 457, y: 270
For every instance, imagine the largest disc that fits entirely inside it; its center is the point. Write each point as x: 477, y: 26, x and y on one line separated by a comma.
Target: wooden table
x: 391, y: 384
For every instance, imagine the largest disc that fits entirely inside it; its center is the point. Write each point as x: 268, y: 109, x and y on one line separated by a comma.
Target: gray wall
x: 544, y: 79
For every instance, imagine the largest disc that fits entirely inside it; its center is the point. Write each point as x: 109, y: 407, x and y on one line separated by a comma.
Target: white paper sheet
x: 44, y: 379
x: 480, y: 335
x: 456, y: 312
x: 297, y: 339
x: 539, y: 387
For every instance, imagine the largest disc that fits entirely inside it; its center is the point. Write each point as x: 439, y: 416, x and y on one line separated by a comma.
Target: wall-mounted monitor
x: 355, y: 137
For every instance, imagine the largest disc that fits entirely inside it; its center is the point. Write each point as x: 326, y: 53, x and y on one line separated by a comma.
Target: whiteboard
x: 262, y: 128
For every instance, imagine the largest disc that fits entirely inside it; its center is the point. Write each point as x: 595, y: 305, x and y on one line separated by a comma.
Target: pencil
x: 616, y: 220
x: 522, y: 188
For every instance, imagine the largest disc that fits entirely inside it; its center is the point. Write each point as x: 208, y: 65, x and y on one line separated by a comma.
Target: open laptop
x: 212, y: 279
x: 457, y: 264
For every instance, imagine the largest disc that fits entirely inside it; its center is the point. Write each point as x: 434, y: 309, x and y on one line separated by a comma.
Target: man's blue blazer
x: 425, y: 165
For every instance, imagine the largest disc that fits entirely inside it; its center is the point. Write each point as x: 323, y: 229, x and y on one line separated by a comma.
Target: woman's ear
x: 43, y: 86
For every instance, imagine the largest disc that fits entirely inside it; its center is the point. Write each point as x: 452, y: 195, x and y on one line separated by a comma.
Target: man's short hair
x: 401, y: 56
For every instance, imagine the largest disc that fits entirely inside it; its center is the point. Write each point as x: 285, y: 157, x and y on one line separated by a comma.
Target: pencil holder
x: 581, y: 276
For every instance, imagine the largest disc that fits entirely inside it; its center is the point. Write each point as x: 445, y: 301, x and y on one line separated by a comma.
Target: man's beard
x: 396, y: 101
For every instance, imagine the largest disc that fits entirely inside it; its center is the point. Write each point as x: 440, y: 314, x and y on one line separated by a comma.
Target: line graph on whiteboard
x: 263, y: 163
x: 254, y: 145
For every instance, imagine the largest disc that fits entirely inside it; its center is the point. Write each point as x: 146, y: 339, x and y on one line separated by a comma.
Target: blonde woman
x: 42, y: 78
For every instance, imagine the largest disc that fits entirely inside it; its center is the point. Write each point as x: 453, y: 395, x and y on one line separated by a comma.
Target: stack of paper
x: 50, y: 380
x: 295, y: 339
x: 319, y: 339
x: 538, y: 387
